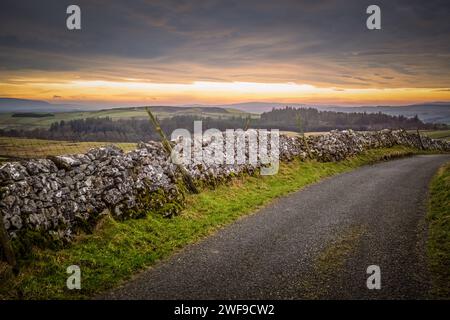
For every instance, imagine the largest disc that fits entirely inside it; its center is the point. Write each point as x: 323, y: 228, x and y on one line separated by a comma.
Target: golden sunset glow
x: 211, y: 92
x: 160, y: 54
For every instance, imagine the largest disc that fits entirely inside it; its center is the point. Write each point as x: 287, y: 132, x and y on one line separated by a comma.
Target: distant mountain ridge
x: 8, y: 105
x: 26, y: 105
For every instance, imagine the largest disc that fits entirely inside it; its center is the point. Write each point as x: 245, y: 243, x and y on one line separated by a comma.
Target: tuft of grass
x: 117, y: 250
x: 334, y: 255
x: 438, y: 245
x: 330, y: 261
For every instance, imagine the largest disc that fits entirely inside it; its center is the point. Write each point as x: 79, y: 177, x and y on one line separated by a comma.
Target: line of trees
x: 315, y: 120
x: 287, y: 119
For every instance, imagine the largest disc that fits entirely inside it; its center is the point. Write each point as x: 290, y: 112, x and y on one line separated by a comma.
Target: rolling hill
x: 433, y: 112
x: 39, y: 116
x: 436, y: 112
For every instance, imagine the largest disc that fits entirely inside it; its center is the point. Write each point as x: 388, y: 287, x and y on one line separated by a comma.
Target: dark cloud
x: 145, y: 36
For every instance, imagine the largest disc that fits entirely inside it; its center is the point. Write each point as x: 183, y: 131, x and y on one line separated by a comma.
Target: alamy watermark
x: 232, y: 147
x: 73, y: 21
x: 374, y: 280
x: 74, y: 280
x: 373, y: 22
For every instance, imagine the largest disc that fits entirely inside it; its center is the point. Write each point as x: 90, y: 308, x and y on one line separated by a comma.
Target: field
x: 12, y: 148
x: 18, y: 148
x: 7, y: 121
x: 23, y: 148
x: 439, y: 134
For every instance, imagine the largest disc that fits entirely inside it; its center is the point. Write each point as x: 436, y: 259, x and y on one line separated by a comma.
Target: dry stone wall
x: 59, y: 196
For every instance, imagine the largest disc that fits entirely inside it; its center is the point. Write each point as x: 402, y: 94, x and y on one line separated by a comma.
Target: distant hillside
x: 287, y: 119
x: 427, y: 112
x: 433, y: 112
x: 183, y: 110
x: 14, y: 104
x: 8, y: 105
x: 43, y: 119
x: 25, y: 105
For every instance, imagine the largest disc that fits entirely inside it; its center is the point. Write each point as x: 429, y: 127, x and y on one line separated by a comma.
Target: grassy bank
x: 439, y: 233
x: 117, y: 250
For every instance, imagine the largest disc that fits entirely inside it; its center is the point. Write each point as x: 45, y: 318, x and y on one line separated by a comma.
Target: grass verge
x: 117, y: 250
x: 439, y: 233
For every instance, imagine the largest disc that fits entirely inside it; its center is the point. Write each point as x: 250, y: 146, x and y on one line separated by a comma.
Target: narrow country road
x: 315, y: 243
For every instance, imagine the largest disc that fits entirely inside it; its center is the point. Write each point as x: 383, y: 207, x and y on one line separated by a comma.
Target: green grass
x: 38, y: 148
x: 117, y: 250
x: 437, y: 134
x: 439, y: 233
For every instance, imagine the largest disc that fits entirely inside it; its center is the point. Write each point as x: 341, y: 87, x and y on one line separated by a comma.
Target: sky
x: 167, y: 52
